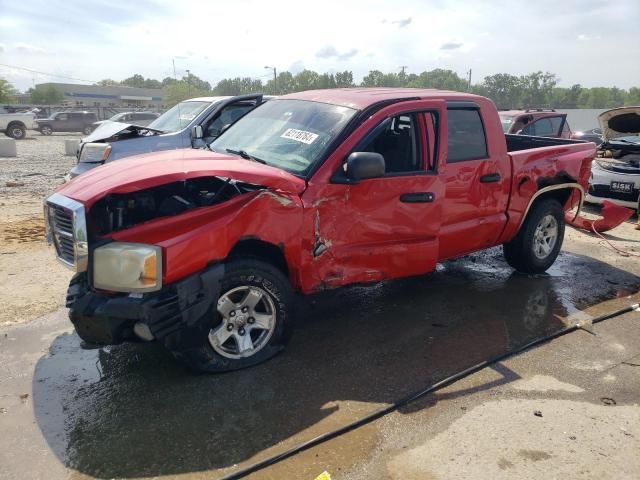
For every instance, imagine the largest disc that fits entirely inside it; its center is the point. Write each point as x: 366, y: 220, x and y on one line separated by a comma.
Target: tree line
x: 536, y: 89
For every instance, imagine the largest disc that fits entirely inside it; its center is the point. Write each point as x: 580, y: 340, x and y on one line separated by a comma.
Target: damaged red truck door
x: 203, y: 250
x: 387, y: 227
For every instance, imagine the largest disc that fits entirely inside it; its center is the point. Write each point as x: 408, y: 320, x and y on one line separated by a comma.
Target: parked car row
x: 202, y: 247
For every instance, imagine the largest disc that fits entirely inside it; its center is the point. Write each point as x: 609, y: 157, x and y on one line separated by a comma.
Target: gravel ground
x: 25, y: 259
x: 39, y: 167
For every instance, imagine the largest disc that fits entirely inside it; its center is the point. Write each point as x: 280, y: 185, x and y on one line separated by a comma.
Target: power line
x: 47, y: 73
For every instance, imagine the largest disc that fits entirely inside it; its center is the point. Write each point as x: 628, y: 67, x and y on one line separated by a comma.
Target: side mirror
x: 363, y: 165
x: 196, y: 132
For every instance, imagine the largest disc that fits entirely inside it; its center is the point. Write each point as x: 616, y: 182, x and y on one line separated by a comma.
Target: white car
x: 615, y: 172
x: 15, y: 125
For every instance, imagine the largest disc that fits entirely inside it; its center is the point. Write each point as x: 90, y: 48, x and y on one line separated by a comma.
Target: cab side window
x: 228, y: 116
x: 466, y: 138
x: 398, y: 144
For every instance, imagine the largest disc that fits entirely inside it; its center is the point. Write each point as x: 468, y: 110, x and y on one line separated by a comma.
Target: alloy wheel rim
x: 545, y: 237
x: 16, y: 133
x: 248, y: 316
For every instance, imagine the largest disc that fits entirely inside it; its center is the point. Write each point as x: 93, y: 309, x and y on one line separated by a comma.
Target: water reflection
x: 132, y: 411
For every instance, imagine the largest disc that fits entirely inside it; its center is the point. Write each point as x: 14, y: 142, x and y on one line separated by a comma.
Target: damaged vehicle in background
x: 615, y: 173
x: 191, y: 123
x: 203, y: 250
x: 135, y: 118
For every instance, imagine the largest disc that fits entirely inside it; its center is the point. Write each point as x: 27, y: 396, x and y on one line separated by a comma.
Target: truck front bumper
x: 186, y: 307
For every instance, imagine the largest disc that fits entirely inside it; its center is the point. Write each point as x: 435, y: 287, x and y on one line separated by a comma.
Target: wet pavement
x: 132, y: 411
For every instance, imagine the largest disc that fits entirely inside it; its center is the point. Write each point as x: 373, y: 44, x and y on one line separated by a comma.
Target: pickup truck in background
x: 203, y: 250
x: 191, y: 123
x: 15, y: 125
x: 539, y: 122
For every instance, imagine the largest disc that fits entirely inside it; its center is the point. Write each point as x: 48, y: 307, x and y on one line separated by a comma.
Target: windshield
x: 506, y: 123
x: 288, y: 134
x: 179, y: 116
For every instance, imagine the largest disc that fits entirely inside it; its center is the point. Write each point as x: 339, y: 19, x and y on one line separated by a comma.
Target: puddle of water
x: 132, y: 411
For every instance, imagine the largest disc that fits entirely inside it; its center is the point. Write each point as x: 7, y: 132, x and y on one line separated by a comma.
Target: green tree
x: 7, y: 91
x: 197, y: 82
x: 306, y: 80
x: 633, y: 97
x: 438, y: 78
x: 505, y: 90
x: 179, y: 91
x: 344, y: 79
x: 237, y: 86
x: 45, y: 95
x: 537, y: 88
x: 107, y: 82
x: 376, y: 78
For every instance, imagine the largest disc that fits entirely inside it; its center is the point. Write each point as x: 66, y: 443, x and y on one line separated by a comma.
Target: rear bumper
x: 110, y: 319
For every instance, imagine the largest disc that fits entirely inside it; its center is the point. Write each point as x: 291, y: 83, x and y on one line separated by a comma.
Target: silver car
x: 191, y: 123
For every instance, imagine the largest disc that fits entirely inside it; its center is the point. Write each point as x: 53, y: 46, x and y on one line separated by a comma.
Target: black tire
x: 200, y: 355
x: 16, y: 131
x: 46, y: 130
x: 520, y: 252
x: 87, y: 130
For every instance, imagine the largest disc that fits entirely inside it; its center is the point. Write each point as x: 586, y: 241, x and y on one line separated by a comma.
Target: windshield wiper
x: 245, y: 155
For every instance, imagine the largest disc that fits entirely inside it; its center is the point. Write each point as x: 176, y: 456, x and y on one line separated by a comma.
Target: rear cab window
x: 466, y: 136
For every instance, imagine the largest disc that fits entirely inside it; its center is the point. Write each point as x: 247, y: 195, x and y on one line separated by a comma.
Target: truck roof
x: 361, y: 98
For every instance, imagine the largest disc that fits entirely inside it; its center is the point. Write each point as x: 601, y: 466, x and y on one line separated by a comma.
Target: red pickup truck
x: 203, y: 250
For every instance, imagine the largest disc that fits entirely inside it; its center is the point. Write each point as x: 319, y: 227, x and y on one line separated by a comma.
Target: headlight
x: 127, y: 267
x: 95, y: 152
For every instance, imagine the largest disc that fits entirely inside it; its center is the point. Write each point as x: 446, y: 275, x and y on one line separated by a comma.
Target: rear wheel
x: 16, y: 131
x: 46, y: 130
x: 538, y: 243
x: 251, y: 323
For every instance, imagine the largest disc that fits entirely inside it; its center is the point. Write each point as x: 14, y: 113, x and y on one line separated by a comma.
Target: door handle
x: 490, y: 178
x: 417, y: 197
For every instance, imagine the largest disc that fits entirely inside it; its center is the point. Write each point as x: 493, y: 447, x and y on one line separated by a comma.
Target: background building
x: 75, y: 95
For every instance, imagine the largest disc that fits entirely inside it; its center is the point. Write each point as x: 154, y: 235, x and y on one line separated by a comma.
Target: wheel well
x: 16, y: 123
x: 265, y: 251
x: 560, y: 195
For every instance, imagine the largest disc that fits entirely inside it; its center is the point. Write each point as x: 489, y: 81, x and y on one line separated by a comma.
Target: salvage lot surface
x: 131, y: 411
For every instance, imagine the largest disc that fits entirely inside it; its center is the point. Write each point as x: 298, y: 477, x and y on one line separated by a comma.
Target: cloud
x: 582, y: 37
x: 327, y: 52
x: 27, y: 49
x: 296, y: 67
x: 451, y: 46
x: 1, y: 47
x: 330, y: 51
x: 403, y: 22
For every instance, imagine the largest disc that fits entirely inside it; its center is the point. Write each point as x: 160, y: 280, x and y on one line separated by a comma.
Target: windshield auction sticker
x: 299, y: 136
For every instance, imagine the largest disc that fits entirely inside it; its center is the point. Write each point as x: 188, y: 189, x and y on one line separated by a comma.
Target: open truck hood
x: 153, y: 169
x: 110, y: 129
x: 620, y: 122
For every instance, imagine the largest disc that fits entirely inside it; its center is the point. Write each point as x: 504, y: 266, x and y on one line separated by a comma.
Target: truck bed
x: 516, y: 143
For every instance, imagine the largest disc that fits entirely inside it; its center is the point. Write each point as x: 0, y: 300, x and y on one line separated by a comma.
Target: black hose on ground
x: 413, y: 397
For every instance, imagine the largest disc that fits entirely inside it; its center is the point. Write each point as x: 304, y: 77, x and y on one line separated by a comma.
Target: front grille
x: 61, y: 224
x: 67, y: 231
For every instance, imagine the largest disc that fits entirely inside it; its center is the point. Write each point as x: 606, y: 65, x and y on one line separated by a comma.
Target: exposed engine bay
x: 619, y: 158
x: 121, y: 211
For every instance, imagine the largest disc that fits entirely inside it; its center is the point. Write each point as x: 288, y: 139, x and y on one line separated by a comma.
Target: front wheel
x: 538, y: 243
x: 251, y: 322
x: 17, y: 132
x: 46, y: 130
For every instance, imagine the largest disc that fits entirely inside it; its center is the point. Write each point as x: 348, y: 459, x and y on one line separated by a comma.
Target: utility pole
x: 469, y: 82
x: 275, y: 79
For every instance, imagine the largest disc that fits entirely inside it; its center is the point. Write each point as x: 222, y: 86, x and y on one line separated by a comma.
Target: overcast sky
x: 591, y: 42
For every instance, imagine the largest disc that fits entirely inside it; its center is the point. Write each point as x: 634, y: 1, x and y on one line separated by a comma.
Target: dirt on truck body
x: 203, y: 250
